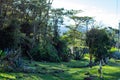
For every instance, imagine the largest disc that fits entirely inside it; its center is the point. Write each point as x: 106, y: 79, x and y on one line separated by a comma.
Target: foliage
x: 10, y: 60
x: 26, y: 28
x: 46, y: 53
x: 115, y: 55
x: 73, y: 38
x: 63, y: 51
x: 98, y: 42
x: 10, y: 36
x: 2, y: 54
x: 78, y: 53
x: 51, y: 52
x: 113, y: 49
x: 34, y: 27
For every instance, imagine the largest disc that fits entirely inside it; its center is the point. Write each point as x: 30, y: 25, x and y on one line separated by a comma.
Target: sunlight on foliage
x: 113, y: 49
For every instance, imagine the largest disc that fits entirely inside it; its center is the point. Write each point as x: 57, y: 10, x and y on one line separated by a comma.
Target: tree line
x: 33, y: 28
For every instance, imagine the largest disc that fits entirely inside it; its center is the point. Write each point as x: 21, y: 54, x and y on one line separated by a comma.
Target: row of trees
x: 33, y: 26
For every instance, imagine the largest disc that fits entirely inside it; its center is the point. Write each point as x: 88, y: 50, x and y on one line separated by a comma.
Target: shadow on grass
x: 38, y: 76
x: 42, y: 74
x: 62, y: 71
x: 112, y: 76
x: 116, y: 64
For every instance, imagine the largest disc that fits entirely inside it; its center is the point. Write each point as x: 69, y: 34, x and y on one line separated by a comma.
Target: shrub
x: 63, y: 51
x: 45, y: 53
x: 2, y: 54
x: 115, y: 55
x: 51, y: 52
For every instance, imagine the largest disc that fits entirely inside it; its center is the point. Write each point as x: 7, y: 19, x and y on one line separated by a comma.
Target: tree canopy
x: 98, y: 42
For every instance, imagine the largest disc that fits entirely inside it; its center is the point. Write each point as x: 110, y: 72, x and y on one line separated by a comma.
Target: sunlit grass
x: 7, y: 76
x: 71, y: 71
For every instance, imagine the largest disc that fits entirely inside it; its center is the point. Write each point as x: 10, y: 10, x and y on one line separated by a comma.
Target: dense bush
x: 10, y: 60
x: 115, y: 55
x: 10, y: 35
x: 2, y: 54
x: 63, y: 51
x: 78, y: 53
x: 51, y: 52
x: 46, y: 53
x: 98, y: 42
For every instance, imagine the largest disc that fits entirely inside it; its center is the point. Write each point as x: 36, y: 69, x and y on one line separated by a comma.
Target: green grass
x: 66, y: 71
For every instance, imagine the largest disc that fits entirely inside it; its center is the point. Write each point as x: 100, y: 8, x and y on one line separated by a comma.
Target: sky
x: 106, y: 12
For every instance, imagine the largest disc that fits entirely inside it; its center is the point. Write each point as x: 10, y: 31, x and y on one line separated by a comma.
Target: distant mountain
x: 64, y: 29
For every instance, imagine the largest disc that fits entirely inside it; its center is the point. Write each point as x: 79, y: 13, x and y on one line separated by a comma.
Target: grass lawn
x: 64, y: 71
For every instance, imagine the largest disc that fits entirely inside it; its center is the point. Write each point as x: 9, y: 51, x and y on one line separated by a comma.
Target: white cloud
x: 67, y: 5
x: 109, y: 19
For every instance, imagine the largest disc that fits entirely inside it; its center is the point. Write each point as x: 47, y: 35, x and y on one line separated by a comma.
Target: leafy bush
x: 63, y: 51
x: 2, y: 54
x: 46, y: 53
x: 10, y: 35
x: 115, y: 55
x: 10, y: 60
x: 98, y: 42
x: 113, y: 49
x: 51, y: 52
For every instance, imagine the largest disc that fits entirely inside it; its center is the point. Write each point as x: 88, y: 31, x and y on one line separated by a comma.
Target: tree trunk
x: 100, y: 69
x: 90, y: 64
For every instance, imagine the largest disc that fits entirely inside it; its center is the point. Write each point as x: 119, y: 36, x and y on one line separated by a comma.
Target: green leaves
x: 98, y: 42
x: 2, y: 54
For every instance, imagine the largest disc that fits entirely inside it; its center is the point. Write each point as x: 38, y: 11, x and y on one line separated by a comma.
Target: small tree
x: 99, y: 44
